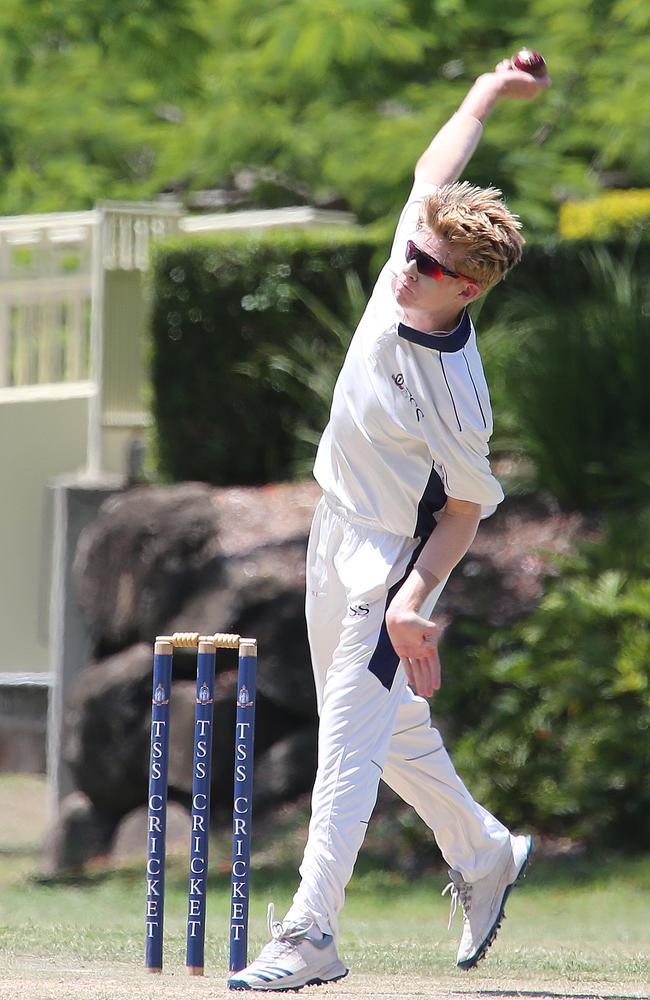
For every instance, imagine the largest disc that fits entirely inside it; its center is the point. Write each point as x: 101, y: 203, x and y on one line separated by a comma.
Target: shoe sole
x: 470, y: 963
x: 241, y: 985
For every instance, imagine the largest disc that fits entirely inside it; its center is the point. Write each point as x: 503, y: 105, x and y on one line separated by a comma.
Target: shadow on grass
x: 26, y: 851
x: 83, y: 880
x: 277, y: 848
x: 552, y: 996
x: 587, y: 870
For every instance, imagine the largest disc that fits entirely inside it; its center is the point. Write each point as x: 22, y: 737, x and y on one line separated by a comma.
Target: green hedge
x: 223, y: 308
x: 249, y: 334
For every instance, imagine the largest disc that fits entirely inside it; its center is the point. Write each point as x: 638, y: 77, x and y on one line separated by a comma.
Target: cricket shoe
x: 294, y: 957
x: 483, y: 901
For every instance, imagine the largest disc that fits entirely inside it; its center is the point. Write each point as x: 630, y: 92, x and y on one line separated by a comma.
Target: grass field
x: 576, y: 929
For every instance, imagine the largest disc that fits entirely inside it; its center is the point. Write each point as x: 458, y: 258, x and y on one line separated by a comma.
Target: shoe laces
x: 461, y: 891
x: 283, y: 935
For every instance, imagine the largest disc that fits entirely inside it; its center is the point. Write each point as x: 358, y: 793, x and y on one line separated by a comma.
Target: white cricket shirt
x: 411, y: 416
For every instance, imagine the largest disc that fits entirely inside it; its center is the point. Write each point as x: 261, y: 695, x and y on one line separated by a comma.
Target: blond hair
x: 482, y: 232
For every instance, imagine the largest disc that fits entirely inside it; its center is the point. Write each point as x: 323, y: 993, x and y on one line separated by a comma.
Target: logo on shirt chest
x: 403, y: 388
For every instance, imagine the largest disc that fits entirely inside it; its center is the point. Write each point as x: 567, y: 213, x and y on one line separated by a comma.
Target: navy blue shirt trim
x: 433, y: 499
x: 448, y: 342
x: 384, y: 660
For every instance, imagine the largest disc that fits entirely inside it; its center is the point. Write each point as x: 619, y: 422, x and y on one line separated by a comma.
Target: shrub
x: 554, y: 712
x: 614, y: 214
x: 576, y: 382
x: 225, y: 309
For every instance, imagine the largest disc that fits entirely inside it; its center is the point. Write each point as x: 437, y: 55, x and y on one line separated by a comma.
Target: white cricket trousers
x: 372, y: 726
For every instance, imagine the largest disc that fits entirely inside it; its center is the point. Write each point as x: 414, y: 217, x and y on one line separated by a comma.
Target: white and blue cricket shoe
x: 483, y: 902
x: 297, y: 955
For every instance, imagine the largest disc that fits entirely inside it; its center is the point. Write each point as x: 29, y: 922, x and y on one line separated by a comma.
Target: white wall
x: 43, y: 433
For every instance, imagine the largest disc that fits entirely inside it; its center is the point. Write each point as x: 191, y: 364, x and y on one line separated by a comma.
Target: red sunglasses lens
x: 425, y: 264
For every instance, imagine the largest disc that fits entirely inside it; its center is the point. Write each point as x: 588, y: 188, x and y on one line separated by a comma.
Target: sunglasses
x: 428, y: 265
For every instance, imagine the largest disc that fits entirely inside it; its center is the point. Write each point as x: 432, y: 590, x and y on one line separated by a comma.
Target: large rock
x: 145, y: 553
x: 106, y: 731
x: 80, y: 834
x: 130, y: 838
x: 286, y: 770
x: 152, y: 564
x: 262, y: 595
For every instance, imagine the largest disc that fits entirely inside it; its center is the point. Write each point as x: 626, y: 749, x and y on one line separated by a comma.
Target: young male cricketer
x: 405, y: 452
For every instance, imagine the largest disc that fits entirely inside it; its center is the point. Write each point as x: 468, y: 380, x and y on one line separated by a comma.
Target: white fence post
x: 96, y: 351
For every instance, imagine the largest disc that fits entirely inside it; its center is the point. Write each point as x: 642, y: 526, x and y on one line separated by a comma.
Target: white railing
x: 45, y: 284
x: 51, y: 278
x: 49, y: 267
x: 263, y: 218
x: 130, y: 227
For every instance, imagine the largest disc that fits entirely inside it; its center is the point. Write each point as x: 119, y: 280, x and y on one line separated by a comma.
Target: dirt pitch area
x: 107, y: 982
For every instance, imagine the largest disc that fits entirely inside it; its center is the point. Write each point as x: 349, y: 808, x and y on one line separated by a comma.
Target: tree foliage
x: 90, y: 97
x: 321, y: 101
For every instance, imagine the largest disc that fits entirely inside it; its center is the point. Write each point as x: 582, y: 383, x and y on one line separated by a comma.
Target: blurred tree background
x: 326, y: 102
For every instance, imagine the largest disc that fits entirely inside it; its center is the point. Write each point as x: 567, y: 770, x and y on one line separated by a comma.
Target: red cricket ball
x: 530, y: 62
